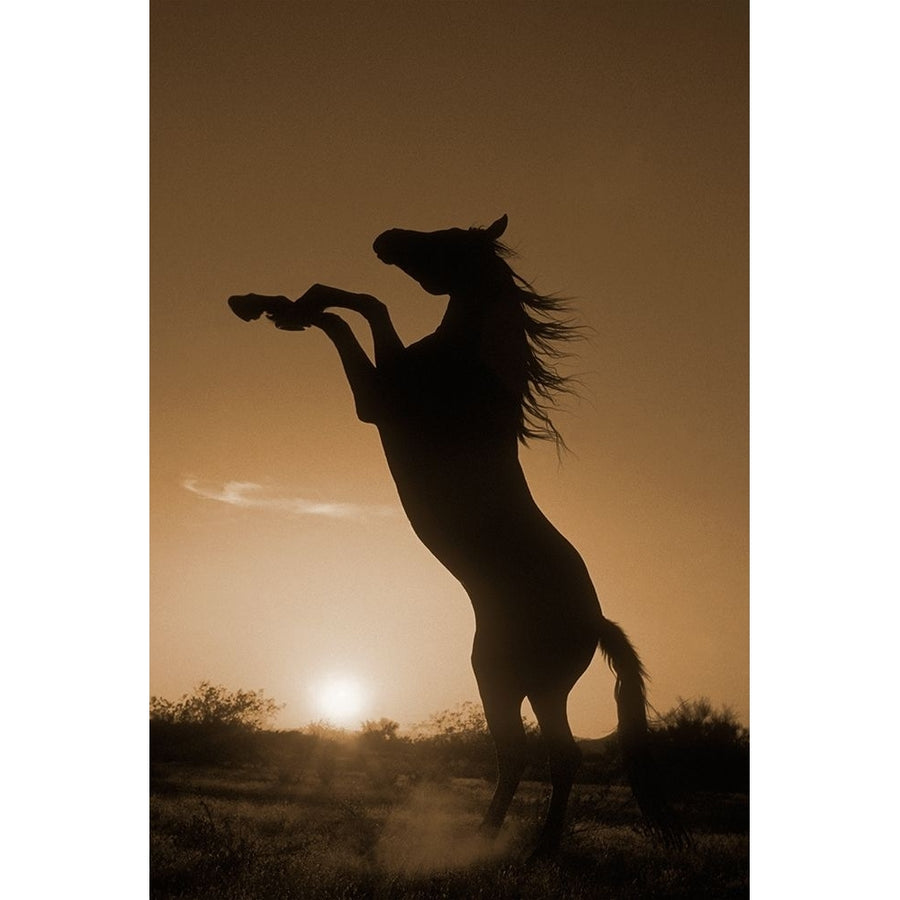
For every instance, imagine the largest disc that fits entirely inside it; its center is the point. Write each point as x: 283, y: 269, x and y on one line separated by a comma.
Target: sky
x: 283, y: 138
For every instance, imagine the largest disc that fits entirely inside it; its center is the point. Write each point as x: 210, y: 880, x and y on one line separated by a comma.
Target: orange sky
x: 284, y: 138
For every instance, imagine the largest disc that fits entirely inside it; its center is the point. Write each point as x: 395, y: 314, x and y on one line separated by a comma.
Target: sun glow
x: 340, y: 699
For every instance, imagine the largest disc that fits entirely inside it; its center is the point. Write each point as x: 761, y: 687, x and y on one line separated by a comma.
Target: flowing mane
x: 547, y: 324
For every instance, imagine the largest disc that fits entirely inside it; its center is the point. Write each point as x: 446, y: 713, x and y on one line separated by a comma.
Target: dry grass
x: 237, y: 834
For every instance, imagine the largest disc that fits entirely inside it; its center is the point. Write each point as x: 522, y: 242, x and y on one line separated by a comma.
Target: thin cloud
x: 249, y: 495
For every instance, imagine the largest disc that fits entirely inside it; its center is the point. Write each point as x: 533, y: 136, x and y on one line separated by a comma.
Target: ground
x: 236, y: 833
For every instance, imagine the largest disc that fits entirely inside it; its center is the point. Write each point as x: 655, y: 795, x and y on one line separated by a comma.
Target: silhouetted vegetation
x: 241, y: 811
x: 210, y: 725
x: 377, y: 734
x: 211, y: 704
x: 700, y: 747
x: 705, y: 748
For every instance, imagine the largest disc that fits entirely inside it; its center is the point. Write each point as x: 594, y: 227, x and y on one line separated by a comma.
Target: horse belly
x: 530, y: 656
x: 536, y: 616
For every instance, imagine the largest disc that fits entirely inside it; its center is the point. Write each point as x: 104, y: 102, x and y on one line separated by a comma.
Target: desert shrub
x: 212, y: 725
x: 698, y: 747
x: 601, y: 762
x: 704, y: 748
x: 211, y: 704
x: 202, y: 744
x: 290, y: 754
x: 376, y: 735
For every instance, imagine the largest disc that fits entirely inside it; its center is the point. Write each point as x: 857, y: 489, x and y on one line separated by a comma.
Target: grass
x: 268, y: 834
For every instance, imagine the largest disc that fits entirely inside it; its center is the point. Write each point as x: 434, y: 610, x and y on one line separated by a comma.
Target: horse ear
x: 497, y: 228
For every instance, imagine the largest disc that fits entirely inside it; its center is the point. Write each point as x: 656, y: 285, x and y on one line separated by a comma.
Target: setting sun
x: 340, y: 699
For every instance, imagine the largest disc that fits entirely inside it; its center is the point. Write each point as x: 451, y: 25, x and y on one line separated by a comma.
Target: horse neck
x: 472, y: 312
x: 488, y: 322
x: 463, y: 318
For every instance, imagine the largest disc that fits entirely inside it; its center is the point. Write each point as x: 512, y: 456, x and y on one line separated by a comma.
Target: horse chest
x: 436, y: 387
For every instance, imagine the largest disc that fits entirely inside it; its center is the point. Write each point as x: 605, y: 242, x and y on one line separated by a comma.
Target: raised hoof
x: 251, y: 306
x: 247, y: 307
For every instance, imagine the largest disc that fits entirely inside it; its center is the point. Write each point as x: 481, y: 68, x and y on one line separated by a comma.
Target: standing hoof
x: 488, y: 833
x: 542, y: 854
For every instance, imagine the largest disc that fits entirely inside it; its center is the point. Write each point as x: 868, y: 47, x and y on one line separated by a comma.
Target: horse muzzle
x: 384, y: 246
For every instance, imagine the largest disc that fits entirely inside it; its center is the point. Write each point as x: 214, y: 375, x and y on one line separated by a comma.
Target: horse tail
x: 634, y: 734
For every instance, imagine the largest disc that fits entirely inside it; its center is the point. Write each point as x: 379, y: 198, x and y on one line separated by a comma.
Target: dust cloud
x: 436, y: 830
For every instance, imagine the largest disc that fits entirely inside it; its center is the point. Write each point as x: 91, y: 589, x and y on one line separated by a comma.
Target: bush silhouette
x: 214, y: 704
x: 703, y: 748
x: 377, y: 734
x: 211, y: 725
x: 706, y: 748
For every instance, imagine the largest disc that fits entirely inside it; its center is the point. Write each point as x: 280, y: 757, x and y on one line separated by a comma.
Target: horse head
x: 453, y: 260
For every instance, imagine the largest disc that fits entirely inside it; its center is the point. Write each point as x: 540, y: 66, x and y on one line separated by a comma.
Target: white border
x: 75, y: 448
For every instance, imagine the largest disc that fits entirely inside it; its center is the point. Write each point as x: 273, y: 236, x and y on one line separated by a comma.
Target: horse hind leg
x: 565, y: 760
x: 504, y: 719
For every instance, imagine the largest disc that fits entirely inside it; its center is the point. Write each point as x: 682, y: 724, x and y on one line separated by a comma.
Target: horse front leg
x: 302, y: 313
x: 319, y: 297
x: 385, y: 341
x: 362, y: 375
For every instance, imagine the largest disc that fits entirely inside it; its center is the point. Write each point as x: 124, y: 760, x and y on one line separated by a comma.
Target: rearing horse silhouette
x: 451, y: 410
